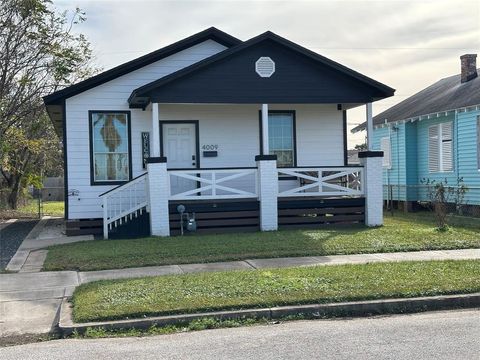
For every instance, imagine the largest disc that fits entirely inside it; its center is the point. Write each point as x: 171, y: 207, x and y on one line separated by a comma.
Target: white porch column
x: 155, y: 131
x: 158, y: 193
x: 369, y: 126
x: 373, y: 176
x: 268, y: 191
x: 265, y: 146
x: 373, y: 186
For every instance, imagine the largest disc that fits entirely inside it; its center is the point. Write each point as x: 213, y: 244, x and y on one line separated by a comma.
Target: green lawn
x: 410, y: 232
x: 52, y: 208
x: 203, y: 292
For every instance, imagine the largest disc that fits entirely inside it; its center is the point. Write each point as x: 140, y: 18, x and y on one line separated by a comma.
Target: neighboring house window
x: 281, y: 137
x: 110, y: 147
x: 440, y: 147
x: 387, y: 153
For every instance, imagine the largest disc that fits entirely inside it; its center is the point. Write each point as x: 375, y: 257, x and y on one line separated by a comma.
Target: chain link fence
x: 418, y: 197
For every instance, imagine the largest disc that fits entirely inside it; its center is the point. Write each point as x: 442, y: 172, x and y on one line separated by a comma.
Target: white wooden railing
x: 124, y: 202
x: 203, y: 184
x: 328, y: 181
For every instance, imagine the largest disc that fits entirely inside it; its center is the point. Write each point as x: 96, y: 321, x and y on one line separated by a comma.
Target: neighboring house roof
x: 208, y: 34
x: 205, y: 81
x: 444, y: 95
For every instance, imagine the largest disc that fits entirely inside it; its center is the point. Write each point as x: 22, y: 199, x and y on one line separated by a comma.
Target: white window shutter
x: 433, y: 149
x: 447, y: 146
x: 387, y: 153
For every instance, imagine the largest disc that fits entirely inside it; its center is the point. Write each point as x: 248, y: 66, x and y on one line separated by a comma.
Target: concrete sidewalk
x: 48, y: 231
x: 251, y: 264
x: 29, y: 302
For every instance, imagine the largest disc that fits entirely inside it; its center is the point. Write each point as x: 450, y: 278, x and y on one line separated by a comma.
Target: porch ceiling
x: 301, y: 76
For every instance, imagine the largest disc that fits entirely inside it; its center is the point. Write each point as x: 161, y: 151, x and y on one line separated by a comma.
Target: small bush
x: 441, y: 195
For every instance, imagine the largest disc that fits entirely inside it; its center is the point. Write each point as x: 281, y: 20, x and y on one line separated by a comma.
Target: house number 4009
x: 210, y: 147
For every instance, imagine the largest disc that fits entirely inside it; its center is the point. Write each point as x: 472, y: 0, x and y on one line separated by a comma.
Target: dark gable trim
x: 208, y: 34
x: 144, y: 91
x: 90, y: 139
x: 197, y: 137
x: 65, y: 160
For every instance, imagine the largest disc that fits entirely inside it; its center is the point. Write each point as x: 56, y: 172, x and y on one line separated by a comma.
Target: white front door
x: 180, y: 148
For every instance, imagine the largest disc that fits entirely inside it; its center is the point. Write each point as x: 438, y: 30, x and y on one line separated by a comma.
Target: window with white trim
x: 440, y: 147
x: 385, y: 146
x: 281, y: 137
x: 110, y: 155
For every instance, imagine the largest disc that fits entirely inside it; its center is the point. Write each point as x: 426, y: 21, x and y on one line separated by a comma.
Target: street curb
x: 66, y: 325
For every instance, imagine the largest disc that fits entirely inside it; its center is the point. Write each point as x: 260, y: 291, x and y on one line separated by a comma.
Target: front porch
x: 241, y: 199
x: 275, y: 193
x: 211, y: 121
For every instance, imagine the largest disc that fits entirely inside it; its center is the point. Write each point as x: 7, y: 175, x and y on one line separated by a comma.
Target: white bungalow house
x: 245, y: 135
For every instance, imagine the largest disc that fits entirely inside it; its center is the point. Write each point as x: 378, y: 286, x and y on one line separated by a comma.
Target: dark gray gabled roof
x: 227, y: 77
x: 210, y: 33
x: 446, y: 94
x: 54, y: 102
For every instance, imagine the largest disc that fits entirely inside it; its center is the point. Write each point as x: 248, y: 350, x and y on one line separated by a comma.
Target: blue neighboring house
x: 434, y: 134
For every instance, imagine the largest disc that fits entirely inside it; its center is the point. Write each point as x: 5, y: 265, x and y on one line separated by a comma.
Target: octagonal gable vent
x: 265, y: 67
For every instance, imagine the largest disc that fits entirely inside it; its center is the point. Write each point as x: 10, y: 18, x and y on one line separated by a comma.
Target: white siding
x: 319, y: 134
x: 113, y: 95
x: 235, y: 129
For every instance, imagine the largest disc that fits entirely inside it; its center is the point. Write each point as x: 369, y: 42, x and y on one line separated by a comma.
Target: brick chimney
x: 469, y: 67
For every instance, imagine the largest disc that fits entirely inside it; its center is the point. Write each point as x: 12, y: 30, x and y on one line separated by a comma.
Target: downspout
x: 455, y: 145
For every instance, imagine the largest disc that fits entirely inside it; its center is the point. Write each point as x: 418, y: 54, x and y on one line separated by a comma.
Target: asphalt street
x: 435, y: 335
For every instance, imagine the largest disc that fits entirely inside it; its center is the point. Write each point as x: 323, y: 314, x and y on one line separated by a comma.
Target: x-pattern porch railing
x: 341, y: 181
x: 216, y: 183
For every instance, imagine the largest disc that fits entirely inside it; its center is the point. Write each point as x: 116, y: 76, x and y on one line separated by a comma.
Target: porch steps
x: 136, y: 224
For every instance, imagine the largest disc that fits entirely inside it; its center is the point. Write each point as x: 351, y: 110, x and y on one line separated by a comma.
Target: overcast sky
x: 405, y: 44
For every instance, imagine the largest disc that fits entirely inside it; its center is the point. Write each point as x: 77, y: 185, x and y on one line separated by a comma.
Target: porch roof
x: 301, y: 76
